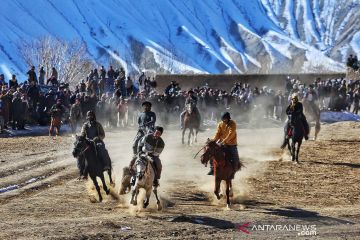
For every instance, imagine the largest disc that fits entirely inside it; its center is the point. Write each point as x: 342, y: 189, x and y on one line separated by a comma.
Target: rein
x: 199, y: 151
x: 83, y: 151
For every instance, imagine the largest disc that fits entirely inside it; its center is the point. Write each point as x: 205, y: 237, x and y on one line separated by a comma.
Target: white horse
x: 145, y: 176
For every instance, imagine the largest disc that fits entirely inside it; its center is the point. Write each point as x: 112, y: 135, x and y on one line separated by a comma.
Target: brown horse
x: 312, y: 112
x: 191, y: 122
x: 223, y: 170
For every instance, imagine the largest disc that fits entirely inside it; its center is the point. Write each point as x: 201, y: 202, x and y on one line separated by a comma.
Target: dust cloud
x: 181, y: 171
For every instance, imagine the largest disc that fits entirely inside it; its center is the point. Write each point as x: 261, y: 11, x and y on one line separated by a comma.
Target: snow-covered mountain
x: 207, y: 36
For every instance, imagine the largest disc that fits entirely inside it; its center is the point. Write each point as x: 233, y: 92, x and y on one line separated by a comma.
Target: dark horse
x: 296, y: 134
x: 191, y: 122
x: 84, y: 148
x: 223, y: 170
x: 312, y: 111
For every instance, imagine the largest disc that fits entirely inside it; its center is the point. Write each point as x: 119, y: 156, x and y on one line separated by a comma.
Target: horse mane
x: 218, y: 154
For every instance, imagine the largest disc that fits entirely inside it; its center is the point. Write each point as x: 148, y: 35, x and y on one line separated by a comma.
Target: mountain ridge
x: 233, y: 36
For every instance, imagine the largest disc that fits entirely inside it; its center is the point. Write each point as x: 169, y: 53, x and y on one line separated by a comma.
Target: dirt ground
x: 323, y: 191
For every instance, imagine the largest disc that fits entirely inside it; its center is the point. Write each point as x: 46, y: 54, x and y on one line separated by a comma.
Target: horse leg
x: 196, y: 133
x: 289, y: 147
x: 217, y: 188
x: 183, y: 133
x: 297, y: 151
x: 148, y: 193
x: 317, y: 129
x: 189, y: 136
x: 158, y: 204
x: 133, y: 200
x: 293, y: 150
x: 107, y: 191
x: 93, y: 178
x: 110, y: 178
x: 231, y: 190
x: 228, y: 183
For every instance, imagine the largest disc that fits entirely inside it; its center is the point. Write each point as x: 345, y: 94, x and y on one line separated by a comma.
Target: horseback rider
x: 94, y: 131
x: 152, y: 144
x: 226, y: 137
x: 294, y: 111
x: 190, y: 100
x: 311, y: 97
x: 146, y: 123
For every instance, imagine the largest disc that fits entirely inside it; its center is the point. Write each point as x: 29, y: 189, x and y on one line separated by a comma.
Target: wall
x: 223, y: 81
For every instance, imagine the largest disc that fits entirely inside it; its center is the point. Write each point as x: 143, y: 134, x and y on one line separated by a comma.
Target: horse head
x: 141, y: 165
x: 80, y: 145
x: 190, y: 108
x: 209, y: 151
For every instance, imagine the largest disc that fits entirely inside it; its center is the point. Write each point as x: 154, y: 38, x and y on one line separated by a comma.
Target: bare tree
x: 70, y: 58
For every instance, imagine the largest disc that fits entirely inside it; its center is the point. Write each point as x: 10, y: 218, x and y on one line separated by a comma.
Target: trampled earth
x: 323, y: 191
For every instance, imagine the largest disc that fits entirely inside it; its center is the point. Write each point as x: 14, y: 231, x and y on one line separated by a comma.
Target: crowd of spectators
x: 116, y: 98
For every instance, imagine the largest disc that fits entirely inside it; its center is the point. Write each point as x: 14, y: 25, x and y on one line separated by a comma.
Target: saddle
x: 228, y: 157
x: 289, y: 132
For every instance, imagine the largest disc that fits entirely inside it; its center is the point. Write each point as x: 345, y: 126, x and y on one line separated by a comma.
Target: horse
x: 145, y: 176
x: 313, y: 112
x: 296, y: 135
x: 223, y: 169
x: 125, y: 181
x: 191, y: 122
x: 86, y: 149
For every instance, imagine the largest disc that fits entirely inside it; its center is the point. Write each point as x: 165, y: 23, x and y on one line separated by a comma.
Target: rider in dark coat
x: 146, y: 123
x: 93, y: 130
x: 191, y: 99
x: 153, y: 145
x: 295, y: 110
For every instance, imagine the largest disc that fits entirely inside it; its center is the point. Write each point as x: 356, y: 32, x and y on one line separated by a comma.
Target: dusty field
x: 50, y: 203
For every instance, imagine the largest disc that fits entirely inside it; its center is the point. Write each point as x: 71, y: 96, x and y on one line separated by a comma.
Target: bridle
x: 144, y: 161
x: 199, y: 151
x: 83, y: 151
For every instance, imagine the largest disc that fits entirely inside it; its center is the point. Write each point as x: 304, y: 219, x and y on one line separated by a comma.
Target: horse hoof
x: 159, y: 207
x: 100, y: 200
x: 107, y: 192
x: 218, y: 196
x: 228, y: 207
